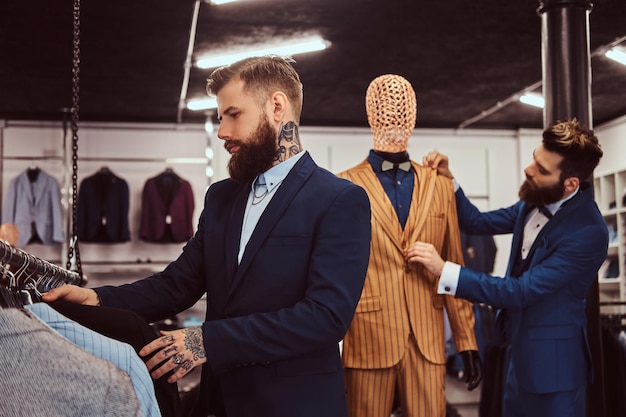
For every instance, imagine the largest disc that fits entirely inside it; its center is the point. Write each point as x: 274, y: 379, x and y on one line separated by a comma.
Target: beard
x: 540, y: 196
x: 255, y: 155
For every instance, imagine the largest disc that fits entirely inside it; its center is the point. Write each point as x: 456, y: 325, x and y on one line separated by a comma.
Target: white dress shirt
x: 273, y: 178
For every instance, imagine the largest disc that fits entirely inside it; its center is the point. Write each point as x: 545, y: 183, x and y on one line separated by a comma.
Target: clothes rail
x: 174, y: 160
x: 31, y: 269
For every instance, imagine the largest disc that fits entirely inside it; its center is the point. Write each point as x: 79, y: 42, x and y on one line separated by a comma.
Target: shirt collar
x: 276, y: 174
x: 555, y: 206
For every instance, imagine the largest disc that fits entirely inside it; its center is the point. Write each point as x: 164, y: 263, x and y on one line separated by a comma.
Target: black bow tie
x: 404, y: 166
x: 544, y: 210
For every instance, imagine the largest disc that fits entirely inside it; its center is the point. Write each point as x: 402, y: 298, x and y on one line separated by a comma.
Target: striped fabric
x: 399, y: 302
x: 122, y: 355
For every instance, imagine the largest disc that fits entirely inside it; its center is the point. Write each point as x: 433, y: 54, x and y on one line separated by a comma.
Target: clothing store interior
x: 109, y: 143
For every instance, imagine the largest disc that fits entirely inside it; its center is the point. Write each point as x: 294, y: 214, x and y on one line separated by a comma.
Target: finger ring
x: 178, y: 359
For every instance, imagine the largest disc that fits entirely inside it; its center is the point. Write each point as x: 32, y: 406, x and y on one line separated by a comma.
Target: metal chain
x: 73, y: 243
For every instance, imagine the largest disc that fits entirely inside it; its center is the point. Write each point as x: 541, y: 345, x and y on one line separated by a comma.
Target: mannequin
x: 396, y: 340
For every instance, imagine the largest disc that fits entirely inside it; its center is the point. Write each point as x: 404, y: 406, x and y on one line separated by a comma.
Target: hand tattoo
x: 170, y: 349
x: 194, y: 342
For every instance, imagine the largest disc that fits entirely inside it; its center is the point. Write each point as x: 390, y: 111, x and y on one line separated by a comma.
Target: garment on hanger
x: 73, y: 366
x: 120, y: 354
x: 102, y: 210
x: 127, y: 327
x: 167, y: 206
x: 45, y: 375
x: 33, y: 204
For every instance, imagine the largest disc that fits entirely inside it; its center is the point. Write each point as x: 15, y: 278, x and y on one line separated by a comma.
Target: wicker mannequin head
x: 391, y: 112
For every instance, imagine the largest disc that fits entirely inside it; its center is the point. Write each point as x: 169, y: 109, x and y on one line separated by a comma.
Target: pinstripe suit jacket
x: 399, y: 298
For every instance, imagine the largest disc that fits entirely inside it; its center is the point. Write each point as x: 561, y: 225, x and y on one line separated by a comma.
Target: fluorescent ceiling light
x: 202, y: 103
x: 217, y: 2
x: 293, y: 47
x: 532, y: 99
x: 616, y: 54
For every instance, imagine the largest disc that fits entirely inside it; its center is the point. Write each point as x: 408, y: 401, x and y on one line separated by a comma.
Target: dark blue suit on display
x: 543, y: 296
x: 274, y: 321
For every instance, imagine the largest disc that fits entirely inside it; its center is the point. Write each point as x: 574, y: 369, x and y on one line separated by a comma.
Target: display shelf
x: 610, y: 194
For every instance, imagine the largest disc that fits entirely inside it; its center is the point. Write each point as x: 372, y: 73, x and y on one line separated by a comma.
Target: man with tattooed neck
x: 281, y: 252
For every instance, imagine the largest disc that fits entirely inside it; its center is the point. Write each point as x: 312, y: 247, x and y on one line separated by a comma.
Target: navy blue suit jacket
x: 546, y: 321
x: 102, y: 211
x: 274, y: 321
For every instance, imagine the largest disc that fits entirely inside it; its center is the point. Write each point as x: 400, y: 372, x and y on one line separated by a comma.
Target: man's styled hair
x: 262, y: 75
x: 577, y: 145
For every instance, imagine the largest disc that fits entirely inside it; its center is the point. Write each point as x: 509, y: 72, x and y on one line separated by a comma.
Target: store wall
x: 489, y: 165
x: 612, y: 137
x: 134, y: 153
x: 484, y: 162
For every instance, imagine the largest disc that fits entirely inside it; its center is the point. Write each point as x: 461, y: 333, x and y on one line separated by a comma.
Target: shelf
x: 610, y: 191
x: 610, y: 283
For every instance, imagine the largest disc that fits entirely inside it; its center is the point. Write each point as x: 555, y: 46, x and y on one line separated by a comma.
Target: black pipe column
x: 566, y: 73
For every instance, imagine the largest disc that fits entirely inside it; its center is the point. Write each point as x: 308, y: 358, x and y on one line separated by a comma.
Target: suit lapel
x: 518, y: 236
x: 423, y: 190
x: 570, y: 207
x: 291, y: 185
x: 234, y: 226
x: 382, y: 209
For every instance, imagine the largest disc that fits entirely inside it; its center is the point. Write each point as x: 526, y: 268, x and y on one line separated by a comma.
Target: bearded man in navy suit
x: 559, y: 242
x: 281, y: 251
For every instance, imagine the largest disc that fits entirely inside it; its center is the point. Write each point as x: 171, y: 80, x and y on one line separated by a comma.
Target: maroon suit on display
x: 167, y: 206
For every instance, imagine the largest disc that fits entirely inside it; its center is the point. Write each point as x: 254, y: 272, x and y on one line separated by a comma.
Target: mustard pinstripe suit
x: 400, y: 315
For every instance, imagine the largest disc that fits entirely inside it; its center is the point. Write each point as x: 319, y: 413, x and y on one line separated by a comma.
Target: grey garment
x: 44, y: 375
x: 119, y: 354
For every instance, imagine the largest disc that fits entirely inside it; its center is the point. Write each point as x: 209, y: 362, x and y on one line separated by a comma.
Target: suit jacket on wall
x: 274, y: 321
x: 400, y: 298
x: 103, y: 202
x: 166, y: 209
x: 546, y: 323
x: 35, y: 203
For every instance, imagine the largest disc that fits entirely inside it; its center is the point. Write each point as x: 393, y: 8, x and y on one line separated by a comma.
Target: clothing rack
x: 33, y: 271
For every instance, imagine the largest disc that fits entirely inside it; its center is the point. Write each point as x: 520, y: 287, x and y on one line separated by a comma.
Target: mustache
x: 232, y: 142
x: 530, y: 181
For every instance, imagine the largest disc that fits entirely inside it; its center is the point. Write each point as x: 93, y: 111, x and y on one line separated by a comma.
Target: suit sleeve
x: 55, y: 206
x: 473, y: 221
x: 460, y: 312
x: 569, y: 262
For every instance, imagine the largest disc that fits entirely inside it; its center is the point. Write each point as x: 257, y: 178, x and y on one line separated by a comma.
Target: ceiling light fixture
x: 616, y: 54
x: 610, y: 50
x: 202, y: 103
x: 218, y: 2
x: 533, y: 99
x: 292, y: 47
